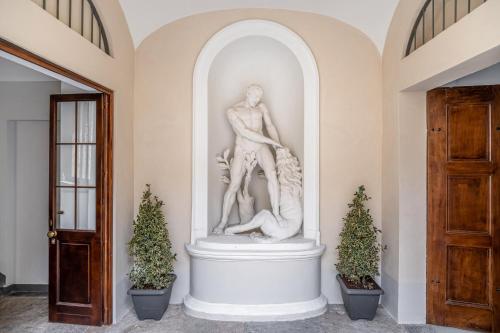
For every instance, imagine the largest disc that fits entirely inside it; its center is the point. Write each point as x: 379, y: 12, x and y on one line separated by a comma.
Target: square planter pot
x: 151, y: 303
x: 360, y: 303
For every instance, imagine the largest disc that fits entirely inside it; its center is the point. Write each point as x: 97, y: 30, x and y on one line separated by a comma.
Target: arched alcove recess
x: 280, y: 33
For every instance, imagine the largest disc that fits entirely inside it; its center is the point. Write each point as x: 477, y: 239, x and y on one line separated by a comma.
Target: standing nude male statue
x: 246, y: 119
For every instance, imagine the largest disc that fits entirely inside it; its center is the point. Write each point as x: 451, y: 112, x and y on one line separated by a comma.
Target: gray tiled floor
x: 29, y: 314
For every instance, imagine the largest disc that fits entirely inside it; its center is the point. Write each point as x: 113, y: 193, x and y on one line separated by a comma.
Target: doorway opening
x: 463, y: 193
x: 56, y: 163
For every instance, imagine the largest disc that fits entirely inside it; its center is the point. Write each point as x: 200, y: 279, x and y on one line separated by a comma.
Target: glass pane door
x: 76, y: 165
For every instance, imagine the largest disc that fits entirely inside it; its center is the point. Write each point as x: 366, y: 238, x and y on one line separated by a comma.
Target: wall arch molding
x: 305, y: 57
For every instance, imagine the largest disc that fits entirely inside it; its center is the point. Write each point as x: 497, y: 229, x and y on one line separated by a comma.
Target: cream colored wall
x: 350, y: 116
x: 467, y: 46
x: 27, y: 25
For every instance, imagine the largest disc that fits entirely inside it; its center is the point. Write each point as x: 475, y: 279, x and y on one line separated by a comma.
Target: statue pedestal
x: 234, y: 278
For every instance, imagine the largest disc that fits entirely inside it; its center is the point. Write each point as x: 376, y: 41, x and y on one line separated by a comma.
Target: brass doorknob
x: 52, y: 234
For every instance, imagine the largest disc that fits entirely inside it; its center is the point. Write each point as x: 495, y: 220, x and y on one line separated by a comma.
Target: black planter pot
x: 360, y: 303
x: 151, y: 303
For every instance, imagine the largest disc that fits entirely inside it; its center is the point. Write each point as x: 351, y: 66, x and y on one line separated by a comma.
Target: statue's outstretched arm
x: 271, y: 129
x: 240, y: 129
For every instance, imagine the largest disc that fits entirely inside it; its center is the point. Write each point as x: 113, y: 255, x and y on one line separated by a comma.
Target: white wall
x: 21, y: 101
x: 32, y: 201
x: 273, y: 66
x: 412, y: 207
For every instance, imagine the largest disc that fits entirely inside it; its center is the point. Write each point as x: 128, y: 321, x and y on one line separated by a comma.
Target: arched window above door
x: 435, y: 17
x: 81, y: 16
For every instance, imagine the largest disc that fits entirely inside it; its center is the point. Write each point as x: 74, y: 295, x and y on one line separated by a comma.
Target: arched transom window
x: 81, y: 16
x: 435, y: 17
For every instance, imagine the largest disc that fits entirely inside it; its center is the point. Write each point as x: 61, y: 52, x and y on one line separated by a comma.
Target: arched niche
x: 275, y: 68
x: 201, y: 159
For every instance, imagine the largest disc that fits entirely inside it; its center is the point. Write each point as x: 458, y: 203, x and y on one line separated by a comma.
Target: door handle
x: 52, y: 234
x: 498, y: 290
x: 60, y: 212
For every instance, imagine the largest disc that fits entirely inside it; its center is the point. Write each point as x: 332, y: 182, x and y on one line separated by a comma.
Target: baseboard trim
x: 255, y: 312
x: 25, y: 288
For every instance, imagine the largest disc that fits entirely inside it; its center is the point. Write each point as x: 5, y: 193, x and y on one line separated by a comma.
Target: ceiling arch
x: 371, y: 17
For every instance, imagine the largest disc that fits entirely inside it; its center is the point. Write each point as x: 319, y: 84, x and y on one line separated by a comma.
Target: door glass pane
x: 86, y: 209
x: 86, y: 122
x: 86, y: 165
x: 66, y: 122
x: 65, y: 208
x: 65, y: 165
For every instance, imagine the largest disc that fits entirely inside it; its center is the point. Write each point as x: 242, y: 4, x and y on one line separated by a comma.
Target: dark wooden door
x: 463, y: 192
x: 75, y: 224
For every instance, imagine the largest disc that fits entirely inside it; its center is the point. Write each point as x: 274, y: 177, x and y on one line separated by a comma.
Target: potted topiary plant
x: 152, y: 269
x: 358, y: 260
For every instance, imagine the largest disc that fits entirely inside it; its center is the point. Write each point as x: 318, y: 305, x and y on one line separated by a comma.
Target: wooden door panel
x: 472, y: 318
x: 466, y: 269
x: 468, y: 203
x: 477, y: 168
x: 463, y: 155
x: 469, y: 95
x: 467, y: 240
x: 468, y: 131
x: 75, y: 271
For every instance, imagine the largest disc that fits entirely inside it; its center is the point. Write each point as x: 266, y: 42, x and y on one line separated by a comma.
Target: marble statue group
x: 284, y: 178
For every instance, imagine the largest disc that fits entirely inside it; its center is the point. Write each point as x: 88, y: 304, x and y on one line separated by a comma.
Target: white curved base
x: 261, y: 312
x: 236, y: 279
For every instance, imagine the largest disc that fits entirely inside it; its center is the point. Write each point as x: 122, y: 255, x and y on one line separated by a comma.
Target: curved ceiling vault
x: 369, y: 16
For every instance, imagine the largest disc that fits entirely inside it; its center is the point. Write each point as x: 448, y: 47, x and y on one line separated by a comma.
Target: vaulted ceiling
x: 372, y: 17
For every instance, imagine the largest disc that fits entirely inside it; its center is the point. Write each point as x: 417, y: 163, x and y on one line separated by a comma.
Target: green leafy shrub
x: 359, y: 249
x: 150, y: 246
